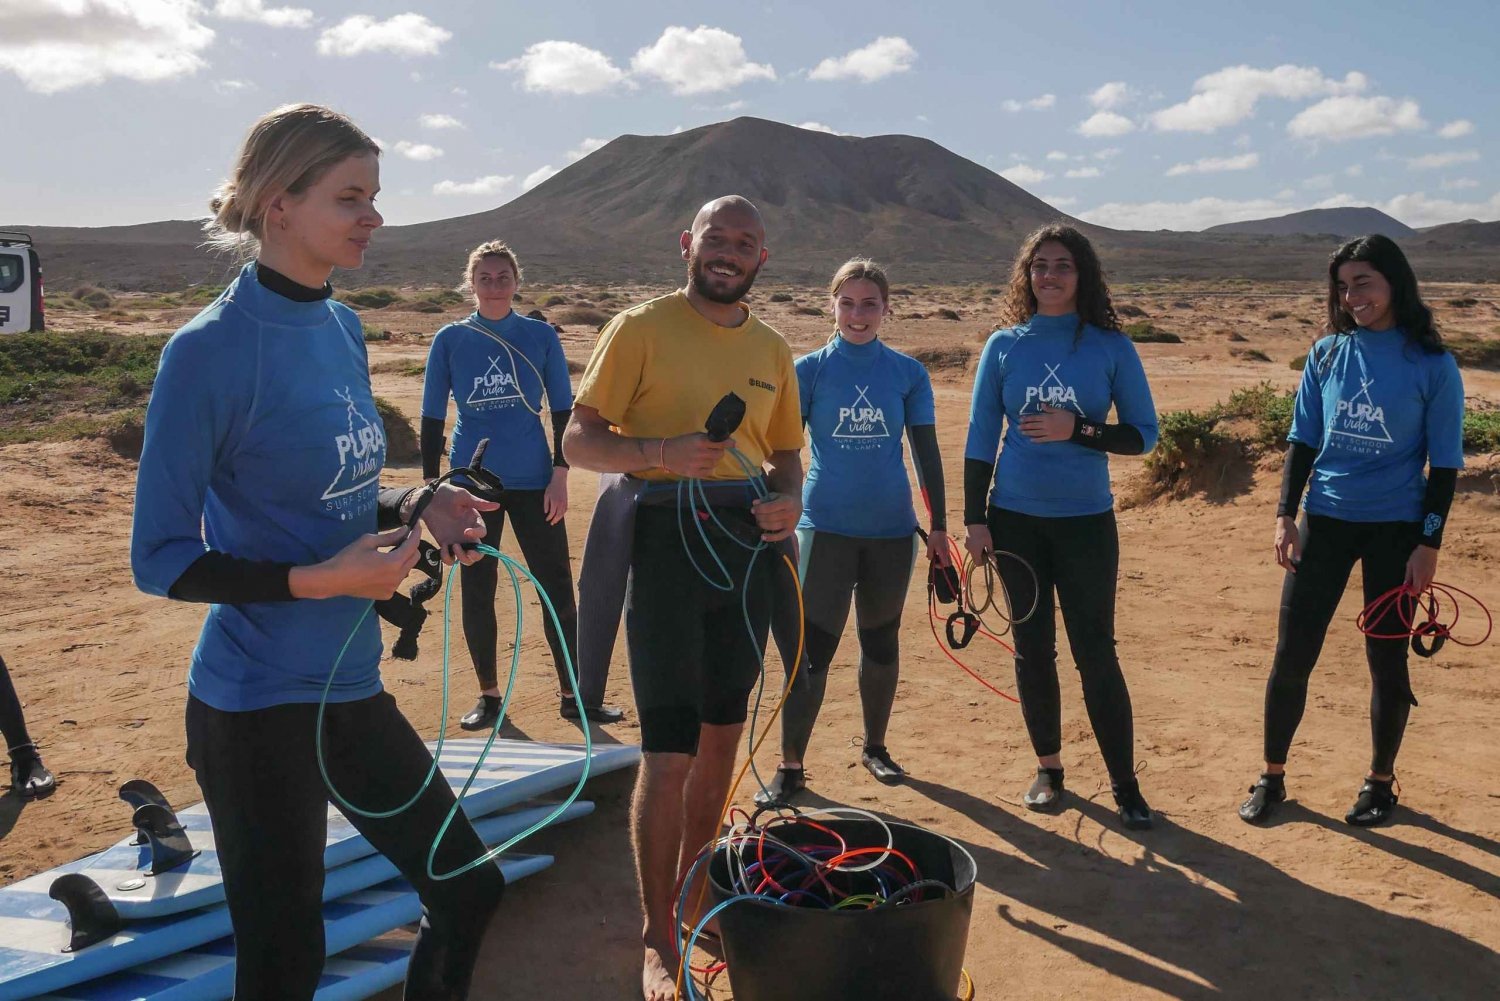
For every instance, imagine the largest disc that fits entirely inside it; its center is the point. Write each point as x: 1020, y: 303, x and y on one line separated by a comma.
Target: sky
x: 1152, y: 115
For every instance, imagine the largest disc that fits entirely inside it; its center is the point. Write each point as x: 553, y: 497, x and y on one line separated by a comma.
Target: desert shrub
x: 1249, y: 354
x: 1277, y: 314
x: 93, y: 297
x: 401, y: 442
x: 941, y: 357
x: 399, y: 366
x: 579, y: 313
x: 575, y: 367
x: 373, y: 334
x: 368, y: 298
x: 1126, y: 309
x: 1471, y: 352
x: 807, y: 311
x: 554, y: 299
x: 1146, y: 332
x: 1191, y: 455
x: 781, y: 297
x: 1298, y: 363
x: 1182, y: 304
x: 423, y: 306
x: 1234, y: 335
x: 1482, y: 430
x: 902, y: 291
x: 948, y: 314
x: 1463, y: 302
x: 1268, y: 410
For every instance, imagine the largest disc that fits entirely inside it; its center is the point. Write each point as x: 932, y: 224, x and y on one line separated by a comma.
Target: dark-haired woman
x: 1380, y: 401
x: 1048, y: 384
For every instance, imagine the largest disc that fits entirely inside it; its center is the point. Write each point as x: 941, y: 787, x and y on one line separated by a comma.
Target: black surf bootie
x: 1376, y: 803
x: 1134, y: 813
x: 877, y: 761
x: 483, y: 715
x: 29, y: 778
x: 783, y: 787
x: 1046, y: 790
x: 596, y: 714
x: 1264, y: 795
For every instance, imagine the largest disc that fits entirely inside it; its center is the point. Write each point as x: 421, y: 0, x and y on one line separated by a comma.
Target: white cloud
x: 1436, y: 161
x: 1416, y: 209
x: 1456, y: 129
x: 586, y: 147
x: 537, y: 176
x: 257, y: 12
x: 820, y: 127
x: 1107, y: 153
x: 1057, y: 155
x: 1350, y: 117
x: 881, y: 58
x: 1215, y: 165
x: 1111, y: 95
x: 56, y: 45
x: 490, y: 184
x: 1059, y: 203
x: 417, y: 151
x: 232, y: 86
x: 1231, y: 94
x: 1355, y: 170
x: 1105, y: 123
x: 1024, y: 174
x: 699, y: 60
x: 403, y: 35
x: 1460, y: 184
x: 1319, y: 182
x: 555, y: 67
x: 1035, y: 104
x: 1242, y: 141
x: 1200, y: 213
x: 1080, y: 172
x: 439, y: 121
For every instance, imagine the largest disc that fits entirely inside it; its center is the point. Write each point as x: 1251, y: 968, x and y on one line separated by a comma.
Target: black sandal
x: 1264, y: 795
x: 784, y: 785
x: 1046, y: 790
x: 877, y: 761
x: 1376, y: 803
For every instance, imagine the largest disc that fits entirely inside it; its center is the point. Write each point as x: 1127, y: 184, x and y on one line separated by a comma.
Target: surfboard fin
x: 91, y: 917
x: 169, y: 843
x: 137, y: 793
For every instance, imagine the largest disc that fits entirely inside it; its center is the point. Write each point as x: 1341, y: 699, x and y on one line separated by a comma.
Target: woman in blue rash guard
x: 258, y: 493
x: 857, y: 538
x: 496, y: 365
x: 1380, y: 401
x: 1048, y: 383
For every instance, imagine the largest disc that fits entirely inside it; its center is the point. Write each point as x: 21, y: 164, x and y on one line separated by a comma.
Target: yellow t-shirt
x: 659, y: 369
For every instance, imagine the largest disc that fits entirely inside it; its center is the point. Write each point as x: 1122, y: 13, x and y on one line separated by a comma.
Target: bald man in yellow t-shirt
x: 657, y: 372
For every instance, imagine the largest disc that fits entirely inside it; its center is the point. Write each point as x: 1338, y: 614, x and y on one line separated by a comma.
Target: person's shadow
x: 1213, y: 921
x: 11, y: 805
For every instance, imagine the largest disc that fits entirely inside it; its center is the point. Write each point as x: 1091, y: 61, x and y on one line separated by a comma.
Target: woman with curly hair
x: 1380, y: 400
x: 1048, y: 382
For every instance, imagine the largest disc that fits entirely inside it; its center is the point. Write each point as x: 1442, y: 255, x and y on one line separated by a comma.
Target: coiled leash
x: 488, y: 486
x: 1428, y: 634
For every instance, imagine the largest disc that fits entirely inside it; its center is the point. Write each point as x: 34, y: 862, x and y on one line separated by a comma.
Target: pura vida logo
x: 861, y: 419
x: 1360, y: 417
x: 496, y: 385
x: 361, y: 450
x: 1051, y: 391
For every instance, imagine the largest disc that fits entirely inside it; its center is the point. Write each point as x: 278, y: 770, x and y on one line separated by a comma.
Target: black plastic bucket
x: 911, y: 951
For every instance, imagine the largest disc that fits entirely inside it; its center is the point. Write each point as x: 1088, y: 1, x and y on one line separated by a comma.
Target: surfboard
x: 513, y: 771
x: 206, y: 973
x: 34, y: 928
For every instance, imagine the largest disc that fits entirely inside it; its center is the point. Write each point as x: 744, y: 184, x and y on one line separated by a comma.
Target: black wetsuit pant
x: 259, y: 775
x: 12, y: 722
x: 1077, y: 560
x: 544, y: 550
x: 1309, y: 599
x: 875, y: 574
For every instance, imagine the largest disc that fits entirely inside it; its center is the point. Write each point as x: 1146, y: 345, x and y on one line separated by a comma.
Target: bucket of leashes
x: 841, y: 904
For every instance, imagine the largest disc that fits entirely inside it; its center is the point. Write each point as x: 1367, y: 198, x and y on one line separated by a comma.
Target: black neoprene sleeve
x: 978, y: 475
x: 220, y: 579
x: 1121, y: 439
x: 433, y: 444
x: 388, y: 506
x: 929, y: 462
x: 1442, y: 481
x: 559, y: 425
x: 1294, y: 473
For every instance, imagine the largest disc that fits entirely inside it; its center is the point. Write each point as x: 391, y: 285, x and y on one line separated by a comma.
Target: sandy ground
x: 1068, y: 906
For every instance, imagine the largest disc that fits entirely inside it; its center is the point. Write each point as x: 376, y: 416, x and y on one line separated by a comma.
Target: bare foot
x: 659, y: 976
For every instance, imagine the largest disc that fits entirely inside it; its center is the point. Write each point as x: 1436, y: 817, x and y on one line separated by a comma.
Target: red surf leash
x: 1400, y: 607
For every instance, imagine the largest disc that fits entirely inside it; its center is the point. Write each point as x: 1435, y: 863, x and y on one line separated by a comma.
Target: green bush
x: 373, y: 334
x: 1482, y: 431
x: 93, y: 297
x: 552, y: 300
x: 1191, y: 454
x: 1146, y: 332
x: 1266, y: 408
x: 1249, y: 354
x: 369, y: 298
x: 401, y: 442
x: 1298, y: 363
x: 579, y: 313
x: 807, y: 311
x: 1471, y: 352
x: 781, y: 297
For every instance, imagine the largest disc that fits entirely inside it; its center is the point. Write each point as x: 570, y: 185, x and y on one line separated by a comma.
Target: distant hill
x: 930, y: 214
x: 1469, y: 233
x: 1344, y: 222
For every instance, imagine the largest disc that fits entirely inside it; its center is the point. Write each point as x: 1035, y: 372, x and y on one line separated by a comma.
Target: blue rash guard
x: 1378, y: 409
x: 263, y: 442
x: 1045, y: 361
x: 499, y: 394
x: 856, y: 400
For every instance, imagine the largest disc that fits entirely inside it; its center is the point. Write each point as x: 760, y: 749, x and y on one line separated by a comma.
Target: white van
x: 21, y: 307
